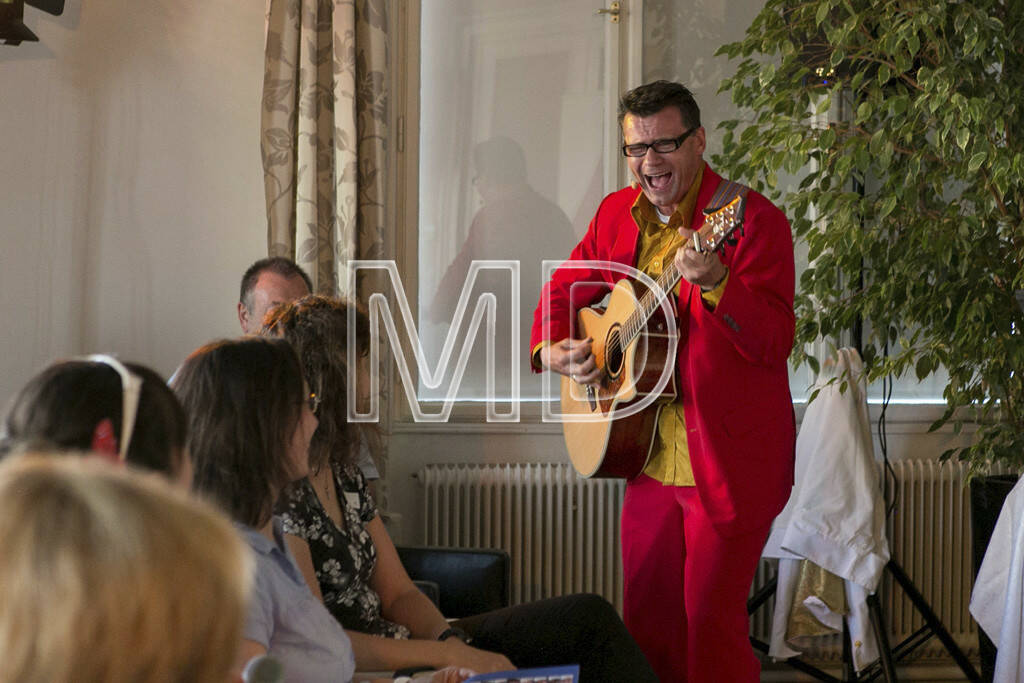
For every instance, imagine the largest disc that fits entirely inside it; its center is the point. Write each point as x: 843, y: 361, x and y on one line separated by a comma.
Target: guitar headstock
x: 720, y: 224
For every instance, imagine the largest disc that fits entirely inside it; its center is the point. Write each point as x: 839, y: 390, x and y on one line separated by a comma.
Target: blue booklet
x: 548, y: 674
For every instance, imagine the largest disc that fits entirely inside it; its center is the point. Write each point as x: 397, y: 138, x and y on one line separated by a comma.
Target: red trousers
x: 686, y: 586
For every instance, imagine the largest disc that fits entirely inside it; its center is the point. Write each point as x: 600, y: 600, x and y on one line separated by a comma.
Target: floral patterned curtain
x: 323, y: 133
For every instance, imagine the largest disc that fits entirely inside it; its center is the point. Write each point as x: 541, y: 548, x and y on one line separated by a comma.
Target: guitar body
x: 632, y: 346
x: 608, y: 444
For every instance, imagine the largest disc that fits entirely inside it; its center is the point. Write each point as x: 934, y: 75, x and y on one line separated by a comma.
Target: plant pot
x: 987, y: 497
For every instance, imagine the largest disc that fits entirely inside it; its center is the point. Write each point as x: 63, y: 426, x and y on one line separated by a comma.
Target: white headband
x: 131, y: 388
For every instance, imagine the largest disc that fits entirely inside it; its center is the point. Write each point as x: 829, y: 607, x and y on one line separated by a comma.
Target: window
x: 516, y: 102
x: 510, y: 145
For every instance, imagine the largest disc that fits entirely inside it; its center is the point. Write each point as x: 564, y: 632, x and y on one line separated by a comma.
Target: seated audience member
x: 354, y: 564
x: 251, y: 421
x: 121, y: 410
x: 267, y: 283
x: 271, y: 282
x: 249, y: 431
x: 113, y: 576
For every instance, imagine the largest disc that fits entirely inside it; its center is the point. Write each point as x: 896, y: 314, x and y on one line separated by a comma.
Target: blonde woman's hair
x: 111, y: 576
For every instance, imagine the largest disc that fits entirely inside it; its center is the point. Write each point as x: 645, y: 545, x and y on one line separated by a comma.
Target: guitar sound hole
x: 613, y: 360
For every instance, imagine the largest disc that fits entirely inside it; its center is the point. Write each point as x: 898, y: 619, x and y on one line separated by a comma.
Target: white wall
x: 131, y: 195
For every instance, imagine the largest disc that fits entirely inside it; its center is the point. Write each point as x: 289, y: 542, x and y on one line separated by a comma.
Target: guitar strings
x: 716, y: 221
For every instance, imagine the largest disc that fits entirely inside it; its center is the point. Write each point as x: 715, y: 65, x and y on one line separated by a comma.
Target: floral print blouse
x: 343, y: 558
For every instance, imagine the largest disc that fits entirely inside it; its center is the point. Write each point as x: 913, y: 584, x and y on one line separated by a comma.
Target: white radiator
x: 563, y: 535
x: 930, y: 537
x: 561, y: 531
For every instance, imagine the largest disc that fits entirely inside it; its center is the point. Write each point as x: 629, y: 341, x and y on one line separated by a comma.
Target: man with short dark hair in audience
x: 279, y: 280
x: 267, y: 283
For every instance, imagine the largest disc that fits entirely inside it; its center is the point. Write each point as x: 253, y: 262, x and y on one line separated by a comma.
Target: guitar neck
x: 649, y: 303
x: 719, y: 224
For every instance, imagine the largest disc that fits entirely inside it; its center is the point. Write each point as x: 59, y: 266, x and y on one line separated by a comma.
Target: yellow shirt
x: 670, y: 455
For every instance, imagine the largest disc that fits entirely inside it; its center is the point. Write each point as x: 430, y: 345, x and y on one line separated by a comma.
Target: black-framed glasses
x: 665, y: 146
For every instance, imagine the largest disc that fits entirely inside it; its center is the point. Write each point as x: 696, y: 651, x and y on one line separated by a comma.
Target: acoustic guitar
x: 633, y: 346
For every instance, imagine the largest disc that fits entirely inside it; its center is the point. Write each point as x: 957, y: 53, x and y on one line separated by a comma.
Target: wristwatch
x: 455, y: 632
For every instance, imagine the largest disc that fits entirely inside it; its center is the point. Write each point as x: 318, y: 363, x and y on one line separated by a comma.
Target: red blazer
x: 732, y: 361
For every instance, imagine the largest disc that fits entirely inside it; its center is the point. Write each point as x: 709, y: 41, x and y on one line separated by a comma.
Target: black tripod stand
x: 888, y: 656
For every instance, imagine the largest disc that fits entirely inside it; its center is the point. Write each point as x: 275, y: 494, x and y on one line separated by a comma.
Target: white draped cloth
x: 997, y: 602
x: 835, y: 516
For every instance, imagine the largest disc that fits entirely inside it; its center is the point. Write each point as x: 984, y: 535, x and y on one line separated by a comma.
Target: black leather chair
x: 468, y: 581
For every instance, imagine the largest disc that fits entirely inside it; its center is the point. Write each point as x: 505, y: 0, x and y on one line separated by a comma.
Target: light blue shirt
x: 286, y: 618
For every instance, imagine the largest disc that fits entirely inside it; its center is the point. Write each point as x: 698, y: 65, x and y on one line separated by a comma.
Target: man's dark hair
x: 284, y: 267
x: 60, y: 407
x: 650, y: 98
x: 243, y: 399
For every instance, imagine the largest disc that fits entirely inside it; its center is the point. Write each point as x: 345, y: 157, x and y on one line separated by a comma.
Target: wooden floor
x: 919, y: 673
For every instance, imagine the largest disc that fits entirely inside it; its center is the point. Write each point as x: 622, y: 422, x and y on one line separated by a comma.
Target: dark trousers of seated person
x: 579, y: 629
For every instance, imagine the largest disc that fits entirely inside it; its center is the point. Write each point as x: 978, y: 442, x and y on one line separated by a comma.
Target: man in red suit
x: 721, y: 466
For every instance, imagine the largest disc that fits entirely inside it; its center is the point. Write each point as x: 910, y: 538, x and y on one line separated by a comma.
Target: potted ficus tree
x: 902, y: 124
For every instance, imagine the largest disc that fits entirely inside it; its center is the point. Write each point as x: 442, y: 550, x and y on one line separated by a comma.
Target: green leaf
x: 923, y: 367
x: 888, y: 204
x: 903, y: 63
x: 838, y: 55
x: 822, y: 13
x: 913, y: 43
x: 962, y: 137
x: 976, y: 161
x: 827, y: 138
x: 878, y: 141
x: 959, y: 22
x: 863, y: 112
x: 863, y: 160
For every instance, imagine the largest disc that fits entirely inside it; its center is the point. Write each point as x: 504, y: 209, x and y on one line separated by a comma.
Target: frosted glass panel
x: 511, y: 146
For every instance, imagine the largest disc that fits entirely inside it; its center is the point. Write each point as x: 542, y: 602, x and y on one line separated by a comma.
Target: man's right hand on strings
x: 572, y: 358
